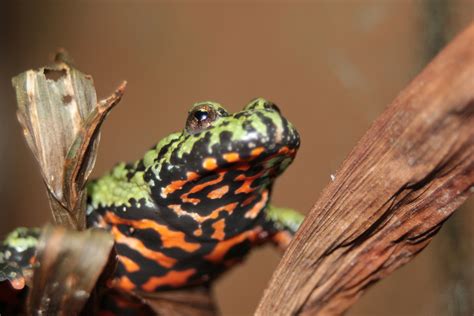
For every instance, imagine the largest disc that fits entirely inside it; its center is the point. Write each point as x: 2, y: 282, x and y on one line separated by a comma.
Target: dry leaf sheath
x: 60, y: 116
x: 69, y: 265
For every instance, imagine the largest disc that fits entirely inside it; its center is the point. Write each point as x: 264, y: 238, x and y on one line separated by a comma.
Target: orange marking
x: 219, y: 227
x: 198, y: 232
x: 224, y: 246
x: 218, y: 193
x: 137, y: 245
x: 241, y: 167
x: 257, y: 151
x: 169, y: 238
x: 245, y: 187
x: 198, y: 187
x: 123, y: 283
x: 172, y: 278
x: 282, y: 239
x: 187, y: 199
x: 229, y: 208
x: 199, y: 218
x: 191, y: 175
x: 240, y: 177
x: 209, y: 163
x: 178, y: 209
x: 18, y: 284
x: 255, y: 210
x: 129, y: 264
x: 284, y: 150
x: 231, y: 157
x: 178, y: 184
x: 249, y: 200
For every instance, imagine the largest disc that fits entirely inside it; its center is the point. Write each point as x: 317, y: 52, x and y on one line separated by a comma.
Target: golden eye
x: 200, y: 118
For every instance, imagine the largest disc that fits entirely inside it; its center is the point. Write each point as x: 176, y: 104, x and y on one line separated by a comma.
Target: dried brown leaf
x: 60, y: 116
x: 69, y: 265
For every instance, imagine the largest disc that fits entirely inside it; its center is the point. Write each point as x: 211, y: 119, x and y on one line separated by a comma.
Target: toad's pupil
x: 201, y: 115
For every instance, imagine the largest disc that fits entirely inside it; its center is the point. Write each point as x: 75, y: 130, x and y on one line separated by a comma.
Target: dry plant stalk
x: 70, y: 263
x: 61, y: 119
x: 60, y: 116
x: 404, y: 178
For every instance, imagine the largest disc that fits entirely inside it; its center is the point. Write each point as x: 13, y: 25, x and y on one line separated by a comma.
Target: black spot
x: 67, y: 99
x: 240, y: 114
x: 271, y: 129
x: 238, y: 251
x: 53, y: 74
x: 225, y: 137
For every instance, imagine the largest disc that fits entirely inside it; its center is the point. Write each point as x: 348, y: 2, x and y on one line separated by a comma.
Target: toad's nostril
x: 273, y: 106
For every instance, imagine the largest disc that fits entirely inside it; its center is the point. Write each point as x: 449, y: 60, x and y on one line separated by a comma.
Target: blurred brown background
x: 331, y: 66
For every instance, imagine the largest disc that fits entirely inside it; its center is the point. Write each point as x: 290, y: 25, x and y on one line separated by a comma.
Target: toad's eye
x: 200, y: 118
x: 201, y: 115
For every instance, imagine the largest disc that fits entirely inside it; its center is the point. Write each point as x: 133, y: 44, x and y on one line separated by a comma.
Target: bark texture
x: 405, y: 177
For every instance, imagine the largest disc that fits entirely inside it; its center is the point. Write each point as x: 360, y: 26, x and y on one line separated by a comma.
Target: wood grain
x: 404, y: 178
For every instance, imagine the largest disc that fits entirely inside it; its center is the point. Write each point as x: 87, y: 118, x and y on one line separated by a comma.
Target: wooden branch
x: 404, y: 178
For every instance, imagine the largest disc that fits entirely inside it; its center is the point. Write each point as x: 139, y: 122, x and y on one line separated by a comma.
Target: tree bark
x: 405, y: 177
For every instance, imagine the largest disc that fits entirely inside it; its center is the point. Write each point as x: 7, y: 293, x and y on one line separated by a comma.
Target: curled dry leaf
x: 60, y: 116
x: 69, y: 264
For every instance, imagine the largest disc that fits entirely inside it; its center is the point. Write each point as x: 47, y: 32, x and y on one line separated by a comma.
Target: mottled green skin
x: 284, y: 218
x: 22, y: 238
x: 115, y: 188
x: 15, y: 253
